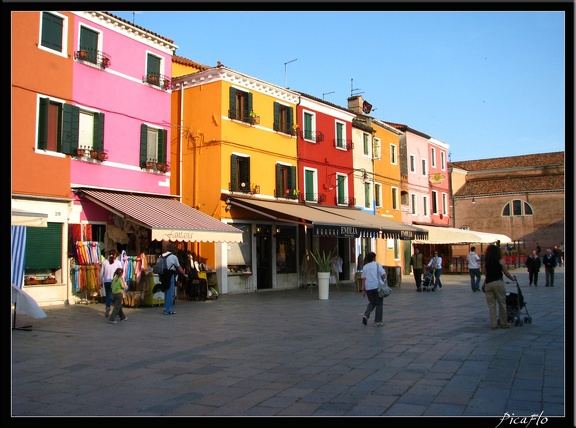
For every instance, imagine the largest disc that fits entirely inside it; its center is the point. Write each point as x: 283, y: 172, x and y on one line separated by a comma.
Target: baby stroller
x: 516, y: 308
x: 428, y: 281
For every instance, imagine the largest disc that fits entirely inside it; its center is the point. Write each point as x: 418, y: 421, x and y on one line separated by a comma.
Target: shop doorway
x: 263, y: 256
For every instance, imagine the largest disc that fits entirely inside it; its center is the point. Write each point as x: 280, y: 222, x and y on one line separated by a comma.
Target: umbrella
x: 26, y: 304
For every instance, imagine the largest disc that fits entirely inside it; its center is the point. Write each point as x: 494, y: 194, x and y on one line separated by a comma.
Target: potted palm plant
x: 323, y: 261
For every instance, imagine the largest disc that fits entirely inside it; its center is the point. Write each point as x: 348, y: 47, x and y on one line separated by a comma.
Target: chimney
x: 355, y: 104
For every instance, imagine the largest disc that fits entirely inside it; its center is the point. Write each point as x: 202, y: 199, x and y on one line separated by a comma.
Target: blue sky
x: 489, y: 84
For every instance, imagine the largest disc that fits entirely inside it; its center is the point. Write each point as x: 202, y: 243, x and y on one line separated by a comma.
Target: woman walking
x: 370, y: 273
x: 494, y: 287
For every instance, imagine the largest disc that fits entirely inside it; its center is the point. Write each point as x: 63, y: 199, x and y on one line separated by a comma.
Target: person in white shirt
x: 436, y: 266
x: 107, y: 271
x: 474, y: 269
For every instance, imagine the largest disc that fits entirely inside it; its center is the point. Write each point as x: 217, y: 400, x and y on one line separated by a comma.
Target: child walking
x: 118, y: 287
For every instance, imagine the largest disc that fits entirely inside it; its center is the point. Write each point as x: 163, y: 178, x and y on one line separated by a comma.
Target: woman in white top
x: 370, y: 272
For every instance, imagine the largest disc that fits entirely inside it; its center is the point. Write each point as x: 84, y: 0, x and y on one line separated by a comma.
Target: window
x: 52, y: 33
x: 153, y: 69
x: 341, y: 189
x: 393, y: 154
x: 240, y: 174
x: 444, y: 204
x: 433, y: 157
x: 519, y: 208
x: 283, y: 119
x: 310, y: 185
x: 443, y: 160
x: 378, y: 194
x: 309, y: 127
x: 365, y: 144
x: 434, y: 202
x: 424, y: 167
x: 367, y: 195
x: 286, y: 181
x: 43, y: 248
x: 153, y: 145
x: 377, y: 149
x: 88, y: 45
x: 395, y: 201
x: 412, y: 163
x: 425, y: 205
x: 414, y: 204
x: 340, y: 136
x: 82, y: 128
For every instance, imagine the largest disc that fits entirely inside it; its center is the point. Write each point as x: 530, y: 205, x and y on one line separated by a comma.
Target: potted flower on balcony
x: 150, y: 163
x: 105, y: 62
x: 80, y: 151
x: 102, y: 156
x: 94, y: 154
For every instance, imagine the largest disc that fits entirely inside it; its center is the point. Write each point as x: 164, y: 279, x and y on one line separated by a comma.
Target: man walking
x: 417, y: 263
x: 549, y: 263
x: 474, y: 269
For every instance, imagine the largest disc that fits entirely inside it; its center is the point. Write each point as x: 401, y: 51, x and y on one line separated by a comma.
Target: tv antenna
x: 288, y: 62
x: 352, y: 89
x: 134, y: 16
x: 327, y: 93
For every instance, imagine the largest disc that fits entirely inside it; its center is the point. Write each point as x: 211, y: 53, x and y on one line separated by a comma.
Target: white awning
x: 26, y: 218
x: 451, y: 235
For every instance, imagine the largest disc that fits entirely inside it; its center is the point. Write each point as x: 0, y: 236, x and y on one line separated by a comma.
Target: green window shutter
x: 98, y: 143
x: 289, y: 119
x: 292, y: 178
x: 232, y: 112
x: 143, y: 145
x: 44, y: 247
x: 279, y: 189
x: 70, y: 129
x: 52, y: 31
x: 162, y: 145
x: 89, y: 43
x: 309, y: 183
x: 245, y: 172
x: 249, y: 108
x: 153, y: 66
x: 43, y: 123
x: 276, y: 124
x: 233, y: 173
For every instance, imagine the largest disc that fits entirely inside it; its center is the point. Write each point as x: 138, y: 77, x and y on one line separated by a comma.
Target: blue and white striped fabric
x: 18, y: 255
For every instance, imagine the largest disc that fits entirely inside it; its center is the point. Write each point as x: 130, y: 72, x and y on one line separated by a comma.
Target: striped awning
x: 167, y: 218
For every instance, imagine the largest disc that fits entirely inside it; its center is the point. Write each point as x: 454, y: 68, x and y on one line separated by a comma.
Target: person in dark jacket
x: 533, y: 265
x: 549, y: 262
x: 494, y: 270
x: 417, y: 263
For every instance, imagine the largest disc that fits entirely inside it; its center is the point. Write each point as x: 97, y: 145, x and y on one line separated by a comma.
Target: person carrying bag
x: 372, y: 274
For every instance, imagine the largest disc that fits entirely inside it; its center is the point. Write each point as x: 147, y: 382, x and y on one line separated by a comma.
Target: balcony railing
x: 348, y: 201
x: 312, y: 197
x: 93, y: 57
x: 286, y: 193
x: 343, y: 144
x: 159, y: 80
x: 316, y: 136
x: 244, y: 188
x: 283, y: 128
x: 244, y: 116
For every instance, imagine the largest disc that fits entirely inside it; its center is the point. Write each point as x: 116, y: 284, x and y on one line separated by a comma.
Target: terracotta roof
x: 531, y: 184
x: 538, y: 179
x: 535, y: 160
x: 185, y: 61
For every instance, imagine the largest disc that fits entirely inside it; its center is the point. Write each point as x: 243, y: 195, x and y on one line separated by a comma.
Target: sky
x: 487, y: 83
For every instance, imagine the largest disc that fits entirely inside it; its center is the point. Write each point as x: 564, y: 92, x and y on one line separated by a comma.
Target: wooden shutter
x: 98, y: 143
x: 232, y: 112
x: 143, y: 145
x: 43, y: 123
x: 70, y: 129
x: 233, y: 172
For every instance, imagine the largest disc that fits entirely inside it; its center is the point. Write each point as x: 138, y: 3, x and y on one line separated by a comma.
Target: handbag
x: 383, y: 289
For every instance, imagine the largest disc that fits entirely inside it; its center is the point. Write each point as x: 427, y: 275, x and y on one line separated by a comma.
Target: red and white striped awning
x: 168, y: 219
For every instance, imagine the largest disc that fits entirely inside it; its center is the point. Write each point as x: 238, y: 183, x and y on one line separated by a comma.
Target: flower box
x: 80, y: 152
x: 150, y: 165
x: 102, y: 156
x: 49, y: 281
x: 105, y: 62
x: 94, y: 154
x: 32, y: 282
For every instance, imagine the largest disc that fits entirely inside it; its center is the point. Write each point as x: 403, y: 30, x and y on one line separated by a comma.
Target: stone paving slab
x: 287, y: 353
